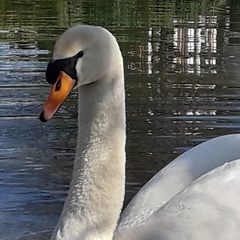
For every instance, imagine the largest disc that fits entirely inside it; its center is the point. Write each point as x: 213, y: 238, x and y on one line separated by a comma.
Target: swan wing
x: 207, y: 209
x: 178, y: 175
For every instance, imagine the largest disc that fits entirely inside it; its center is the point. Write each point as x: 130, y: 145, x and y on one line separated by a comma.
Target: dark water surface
x: 182, y: 68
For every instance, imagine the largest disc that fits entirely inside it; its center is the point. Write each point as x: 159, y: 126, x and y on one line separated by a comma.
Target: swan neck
x: 96, y: 192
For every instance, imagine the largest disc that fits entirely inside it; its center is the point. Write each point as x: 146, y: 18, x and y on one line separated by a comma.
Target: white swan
x: 171, y: 205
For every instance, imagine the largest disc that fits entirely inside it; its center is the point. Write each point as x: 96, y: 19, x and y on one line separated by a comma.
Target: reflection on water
x: 182, y: 88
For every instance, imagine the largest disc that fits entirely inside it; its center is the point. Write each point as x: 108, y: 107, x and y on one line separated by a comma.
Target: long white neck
x: 96, y: 193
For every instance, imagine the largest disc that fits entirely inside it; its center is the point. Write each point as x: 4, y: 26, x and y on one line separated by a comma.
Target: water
x: 182, y: 88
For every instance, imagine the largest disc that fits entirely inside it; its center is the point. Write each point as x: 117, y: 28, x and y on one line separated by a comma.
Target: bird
x: 196, y: 196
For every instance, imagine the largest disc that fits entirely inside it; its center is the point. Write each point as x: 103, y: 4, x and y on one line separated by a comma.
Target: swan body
x: 177, y: 175
x: 200, y: 211
x: 186, y: 189
x: 183, y: 201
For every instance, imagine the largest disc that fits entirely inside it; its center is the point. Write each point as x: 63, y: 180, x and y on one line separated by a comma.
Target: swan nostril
x: 41, y: 117
x: 58, y: 85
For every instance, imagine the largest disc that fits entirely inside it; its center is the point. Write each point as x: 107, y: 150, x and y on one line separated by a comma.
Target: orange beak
x: 59, y: 92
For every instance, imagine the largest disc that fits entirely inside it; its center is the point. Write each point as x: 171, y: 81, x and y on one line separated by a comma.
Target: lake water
x: 182, y: 70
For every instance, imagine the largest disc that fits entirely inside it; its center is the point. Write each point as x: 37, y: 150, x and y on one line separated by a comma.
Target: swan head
x: 82, y: 55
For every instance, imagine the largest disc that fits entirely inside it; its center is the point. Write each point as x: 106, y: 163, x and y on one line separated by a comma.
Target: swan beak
x: 59, y: 92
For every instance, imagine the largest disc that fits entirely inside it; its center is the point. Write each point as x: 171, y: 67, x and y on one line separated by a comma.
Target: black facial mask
x: 68, y: 65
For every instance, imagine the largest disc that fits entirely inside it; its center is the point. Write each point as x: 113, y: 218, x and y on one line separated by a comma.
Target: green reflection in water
x: 49, y: 18
x: 28, y: 14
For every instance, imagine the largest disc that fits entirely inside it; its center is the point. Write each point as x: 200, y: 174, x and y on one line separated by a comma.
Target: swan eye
x: 80, y: 54
x: 58, y: 85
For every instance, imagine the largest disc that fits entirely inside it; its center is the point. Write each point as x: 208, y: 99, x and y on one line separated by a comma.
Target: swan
x: 196, y: 196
